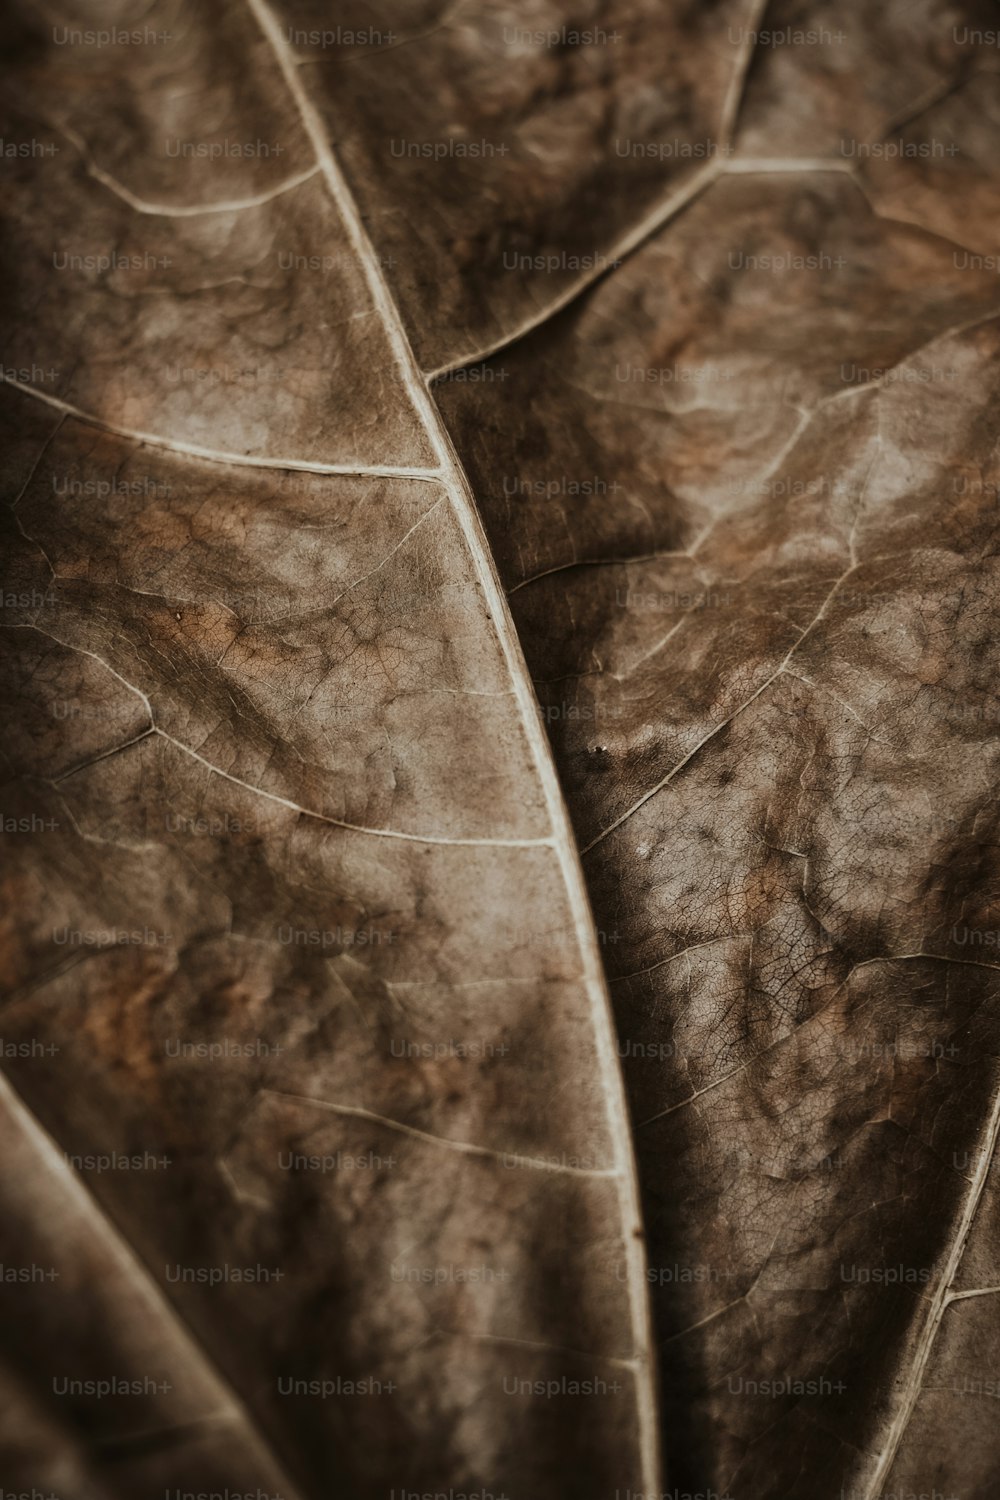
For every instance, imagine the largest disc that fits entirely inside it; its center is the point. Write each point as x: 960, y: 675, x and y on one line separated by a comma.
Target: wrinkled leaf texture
x: 709, y: 320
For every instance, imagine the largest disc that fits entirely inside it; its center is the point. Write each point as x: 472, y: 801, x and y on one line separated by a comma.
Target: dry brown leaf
x: 705, y: 296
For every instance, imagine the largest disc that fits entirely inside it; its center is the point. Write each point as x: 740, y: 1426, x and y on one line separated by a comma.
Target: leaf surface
x: 705, y: 298
x: 743, y: 494
x: 314, y: 1101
